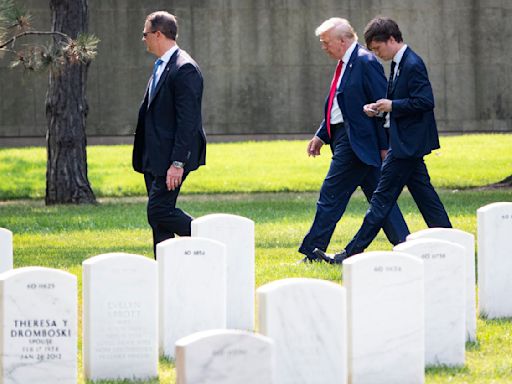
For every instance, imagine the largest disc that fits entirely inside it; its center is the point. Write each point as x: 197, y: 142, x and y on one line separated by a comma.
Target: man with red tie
x: 358, y: 142
x: 409, y: 107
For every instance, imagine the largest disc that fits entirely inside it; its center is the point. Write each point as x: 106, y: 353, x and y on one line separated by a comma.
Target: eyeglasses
x: 145, y: 34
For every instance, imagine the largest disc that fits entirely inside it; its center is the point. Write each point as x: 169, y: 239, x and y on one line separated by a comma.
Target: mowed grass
x: 64, y: 236
x: 276, y: 166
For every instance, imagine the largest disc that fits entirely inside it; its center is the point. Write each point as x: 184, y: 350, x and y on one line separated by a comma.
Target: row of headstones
x: 383, y: 323
x: 495, y: 262
x: 123, y: 297
x: 39, y: 331
x: 306, y: 318
x: 398, y: 312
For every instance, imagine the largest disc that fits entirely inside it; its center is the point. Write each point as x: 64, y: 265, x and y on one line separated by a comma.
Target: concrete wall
x: 265, y: 73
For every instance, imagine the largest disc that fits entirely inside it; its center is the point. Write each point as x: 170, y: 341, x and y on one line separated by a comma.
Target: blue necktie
x: 153, y: 81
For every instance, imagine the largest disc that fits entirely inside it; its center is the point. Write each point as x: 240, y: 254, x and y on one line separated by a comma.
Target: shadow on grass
x: 500, y: 321
x: 444, y: 370
x: 125, y: 381
x: 165, y: 362
x: 59, y: 257
x: 472, y: 345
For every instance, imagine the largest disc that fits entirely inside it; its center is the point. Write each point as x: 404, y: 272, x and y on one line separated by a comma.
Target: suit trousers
x: 165, y: 219
x: 396, y: 174
x: 345, y: 174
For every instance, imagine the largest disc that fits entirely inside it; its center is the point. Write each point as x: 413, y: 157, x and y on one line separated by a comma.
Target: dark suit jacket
x: 363, y: 82
x: 169, y: 127
x: 413, y: 130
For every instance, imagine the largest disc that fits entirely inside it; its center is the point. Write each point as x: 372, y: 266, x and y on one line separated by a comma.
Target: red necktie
x: 332, y: 93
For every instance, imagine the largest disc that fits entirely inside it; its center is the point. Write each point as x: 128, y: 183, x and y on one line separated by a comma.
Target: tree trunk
x: 66, y: 112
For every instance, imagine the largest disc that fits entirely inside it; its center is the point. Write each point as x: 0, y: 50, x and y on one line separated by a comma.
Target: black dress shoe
x: 308, y: 260
x: 337, y: 258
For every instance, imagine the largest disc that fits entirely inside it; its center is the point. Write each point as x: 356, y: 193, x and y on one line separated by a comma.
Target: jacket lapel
x: 146, y: 94
x: 163, y: 76
x: 399, y: 70
x: 348, y: 69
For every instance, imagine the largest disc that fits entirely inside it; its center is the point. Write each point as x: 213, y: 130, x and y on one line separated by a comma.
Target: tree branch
x: 38, y: 33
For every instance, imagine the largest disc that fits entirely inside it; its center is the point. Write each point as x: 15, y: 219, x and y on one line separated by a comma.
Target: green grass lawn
x: 63, y: 236
x: 277, y: 166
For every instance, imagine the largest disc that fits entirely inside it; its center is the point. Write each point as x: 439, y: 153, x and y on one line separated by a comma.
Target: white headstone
x: 445, y: 288
x: 5, y: 250
x: 224, y: 357
x: 385, y: 306
x: 467, y: 241
x: 237, y: 233
x: 120, y: 317
x: 307, y: 320
x: 38, y: 326
x: 192, y: 288
x: 495, y: 260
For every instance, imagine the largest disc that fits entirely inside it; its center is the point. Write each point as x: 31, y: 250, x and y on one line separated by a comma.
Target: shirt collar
x: 167, y: 55
x: 346, y: 56
x: 398, y: 56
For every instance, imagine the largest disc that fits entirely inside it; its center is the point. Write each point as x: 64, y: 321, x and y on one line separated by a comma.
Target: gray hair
x: 340, y: 27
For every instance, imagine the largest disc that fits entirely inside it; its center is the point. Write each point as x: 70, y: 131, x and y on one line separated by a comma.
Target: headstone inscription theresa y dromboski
x: 38, y: 326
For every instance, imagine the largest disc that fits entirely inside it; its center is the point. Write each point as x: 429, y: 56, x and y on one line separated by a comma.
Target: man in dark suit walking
x: 358, y: 142
x: 169, y: 140
x: 409, y: 108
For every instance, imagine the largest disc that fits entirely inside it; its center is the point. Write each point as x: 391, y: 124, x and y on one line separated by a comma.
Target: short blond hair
x: 340, y: 27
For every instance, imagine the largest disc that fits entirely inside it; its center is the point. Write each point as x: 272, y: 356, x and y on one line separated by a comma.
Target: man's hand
x: 173, y: 178
x: 384, y: 105
x: 371, y: 109
x: 383, y: 154
x: 314, y: 146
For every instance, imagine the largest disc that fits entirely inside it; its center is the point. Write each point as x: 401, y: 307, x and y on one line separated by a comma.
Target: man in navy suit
x: 358, y: 142
x: 409, y: 108
x: 169, y: 140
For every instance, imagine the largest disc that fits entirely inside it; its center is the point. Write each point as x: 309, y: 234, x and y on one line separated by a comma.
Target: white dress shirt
x: 336, y: 115
x: 165, y: 59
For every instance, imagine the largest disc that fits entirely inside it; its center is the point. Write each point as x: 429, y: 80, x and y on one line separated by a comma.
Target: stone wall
x: 265, y: 73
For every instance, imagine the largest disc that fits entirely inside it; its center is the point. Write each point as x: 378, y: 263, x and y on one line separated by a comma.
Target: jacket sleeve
x: 322, y: 133
x: 375, y: 87
x: 188, y: 93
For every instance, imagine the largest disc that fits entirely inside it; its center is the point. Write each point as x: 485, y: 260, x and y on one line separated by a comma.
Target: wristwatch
x: 178, y: 164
